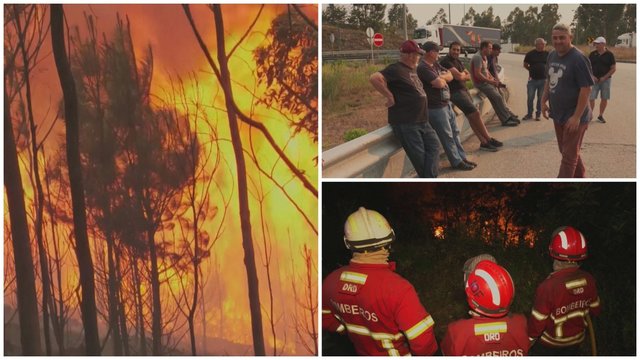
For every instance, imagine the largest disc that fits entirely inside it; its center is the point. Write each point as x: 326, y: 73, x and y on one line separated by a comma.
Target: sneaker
x: 495, y: 143
x: 488, y: 147
x: 527, y: 117
x: 463, y: 166
x: 537, y: 116
x: 510, y: 122
x: 515, y: 118
x: 470, y: 162
x: 601, y: 119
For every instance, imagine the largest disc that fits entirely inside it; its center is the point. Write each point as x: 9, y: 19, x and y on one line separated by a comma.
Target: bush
x: 353, y: 134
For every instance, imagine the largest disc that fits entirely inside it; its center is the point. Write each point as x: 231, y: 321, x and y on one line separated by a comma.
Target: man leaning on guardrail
x: 407, y: 109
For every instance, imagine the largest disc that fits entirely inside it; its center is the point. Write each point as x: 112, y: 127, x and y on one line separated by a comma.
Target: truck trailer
x: 627, y: 40
x: 469, y: 37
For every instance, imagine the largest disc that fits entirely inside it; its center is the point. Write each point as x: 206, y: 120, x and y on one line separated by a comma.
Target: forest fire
x: 438, y: 232
x: 162, y: 182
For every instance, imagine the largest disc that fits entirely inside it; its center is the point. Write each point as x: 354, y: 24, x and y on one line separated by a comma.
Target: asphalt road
x: 531, y: 151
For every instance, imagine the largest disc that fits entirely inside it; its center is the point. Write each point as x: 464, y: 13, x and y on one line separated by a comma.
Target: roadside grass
x: 345, y: 85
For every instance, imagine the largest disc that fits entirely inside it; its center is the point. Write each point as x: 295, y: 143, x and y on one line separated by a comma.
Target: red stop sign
x: 378, y: 40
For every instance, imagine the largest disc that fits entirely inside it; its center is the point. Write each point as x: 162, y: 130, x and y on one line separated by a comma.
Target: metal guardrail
x: 359, y: 55
x: 379, y: 154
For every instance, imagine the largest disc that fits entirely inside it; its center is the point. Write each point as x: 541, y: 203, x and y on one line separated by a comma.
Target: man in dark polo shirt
x: 535, y: 61
x: 407, y: 109
x: 603, y: 65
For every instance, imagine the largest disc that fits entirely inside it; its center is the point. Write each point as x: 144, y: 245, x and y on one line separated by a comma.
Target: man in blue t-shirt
x: 567, y: 89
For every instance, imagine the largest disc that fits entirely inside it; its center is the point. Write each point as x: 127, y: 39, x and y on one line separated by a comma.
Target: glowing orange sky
x: 176, y: 53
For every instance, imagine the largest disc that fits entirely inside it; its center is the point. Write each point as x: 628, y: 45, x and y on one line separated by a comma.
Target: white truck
x: 627, y: 40
x: 469, y: 37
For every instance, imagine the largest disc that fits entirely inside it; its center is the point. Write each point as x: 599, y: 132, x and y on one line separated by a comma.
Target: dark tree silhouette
x: 33, y: 18
x: 83, y: 251
x: 25, y: 279
x: 288, y: 65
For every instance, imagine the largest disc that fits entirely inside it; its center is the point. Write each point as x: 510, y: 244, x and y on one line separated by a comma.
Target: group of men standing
x: 382, y: 314
x: 420, y: 92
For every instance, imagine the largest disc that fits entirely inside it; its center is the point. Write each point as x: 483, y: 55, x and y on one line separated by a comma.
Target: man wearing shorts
x: 603, y: 65
x: 461, y: 98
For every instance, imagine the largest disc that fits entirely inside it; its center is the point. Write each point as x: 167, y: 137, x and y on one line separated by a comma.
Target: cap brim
x: 421, y: 52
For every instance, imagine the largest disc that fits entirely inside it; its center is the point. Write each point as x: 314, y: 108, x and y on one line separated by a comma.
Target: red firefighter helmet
x: 490, y: 289
x: 568, y: 244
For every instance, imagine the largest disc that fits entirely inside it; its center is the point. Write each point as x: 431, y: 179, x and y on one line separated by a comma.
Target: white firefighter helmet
x: 366, y: 230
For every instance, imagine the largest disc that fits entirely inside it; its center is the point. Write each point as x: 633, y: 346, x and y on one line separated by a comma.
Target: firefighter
x: 378, y: 309
x: 565, y: 298
x: 491, y: 330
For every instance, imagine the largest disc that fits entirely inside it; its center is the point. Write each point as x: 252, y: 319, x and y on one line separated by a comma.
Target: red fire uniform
x: 379, y: 310
x: 562, y: 302
x: 484, y: 336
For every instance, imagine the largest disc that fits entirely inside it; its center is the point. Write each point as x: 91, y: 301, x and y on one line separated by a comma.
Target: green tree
x: 520, y: 26
x: 363, y: 16
x: 439, y: 18
x: 628, y: 23
x: 547, y: 18
x: 593, y: 20
x: 334, y: 15
x: 486, y: 19
x: 396, y: 21
x: 469, y: 17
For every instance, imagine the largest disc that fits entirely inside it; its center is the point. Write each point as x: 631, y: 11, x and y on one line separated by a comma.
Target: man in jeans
x: 567, y: 90
x: 461, y: 98
x: 535, y: 61
x: 488, y: 85
x: 441, y: 116
x: 406, y: 102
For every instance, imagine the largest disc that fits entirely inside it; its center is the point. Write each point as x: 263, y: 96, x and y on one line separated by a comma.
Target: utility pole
x: 404, y: 20
x: 449, y: 16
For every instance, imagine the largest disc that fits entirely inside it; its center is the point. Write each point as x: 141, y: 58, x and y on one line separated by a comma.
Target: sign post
x: 370, y: 33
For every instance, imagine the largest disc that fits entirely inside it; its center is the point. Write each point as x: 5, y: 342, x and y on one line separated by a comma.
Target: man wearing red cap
x: 406, y: 103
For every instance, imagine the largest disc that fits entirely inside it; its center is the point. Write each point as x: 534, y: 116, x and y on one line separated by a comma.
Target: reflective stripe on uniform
x: 595, y: 303
x: 576, y: 283
x: 340, y: 328
x: 562, y: 342
x: 571, y: 315
x: 353, y: 277
x: 326, y: 311
x: 538, y: 316
x: 417, y: 329
x: 361, y: 330
x: 391, y: 350
x: 490, y: 328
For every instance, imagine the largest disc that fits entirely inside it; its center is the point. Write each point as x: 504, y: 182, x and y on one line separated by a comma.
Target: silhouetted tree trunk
x: 57, y: 305
x: 39, y: 203
x: 156, y: 322
x: 142, y: 337
x: 83, y: 252
x: 25, y: 279
x: 122, y: 320
x: 245, y: 216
